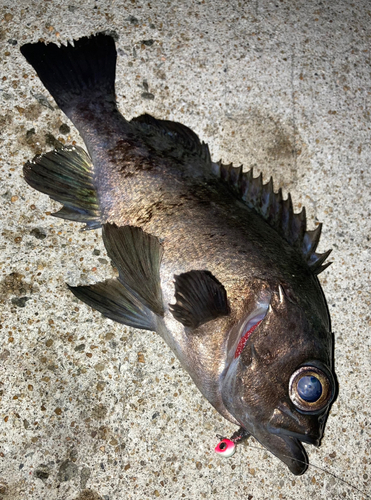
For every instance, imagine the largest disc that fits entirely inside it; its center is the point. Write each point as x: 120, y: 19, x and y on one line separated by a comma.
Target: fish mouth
x: 313, y: 439
x: 288, y: 425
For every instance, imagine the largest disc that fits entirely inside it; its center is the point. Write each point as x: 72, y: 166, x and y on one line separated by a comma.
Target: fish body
x: 250, y: 322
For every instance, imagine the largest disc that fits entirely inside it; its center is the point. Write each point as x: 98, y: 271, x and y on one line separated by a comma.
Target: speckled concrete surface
x: 93, y: 410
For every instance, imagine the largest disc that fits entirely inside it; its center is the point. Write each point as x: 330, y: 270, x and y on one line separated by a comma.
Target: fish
x: 208, y: 256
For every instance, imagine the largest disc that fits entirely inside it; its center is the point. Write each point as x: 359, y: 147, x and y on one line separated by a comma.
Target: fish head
x: 279, y: 382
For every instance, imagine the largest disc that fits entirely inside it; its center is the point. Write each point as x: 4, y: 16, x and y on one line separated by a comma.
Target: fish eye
x: 310, y: 389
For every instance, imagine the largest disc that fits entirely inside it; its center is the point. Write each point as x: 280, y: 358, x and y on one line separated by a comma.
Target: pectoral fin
x: 200, y: 298
x: 116, y: 302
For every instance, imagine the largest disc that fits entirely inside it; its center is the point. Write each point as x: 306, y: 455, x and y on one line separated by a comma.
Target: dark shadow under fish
x: 250, y: 322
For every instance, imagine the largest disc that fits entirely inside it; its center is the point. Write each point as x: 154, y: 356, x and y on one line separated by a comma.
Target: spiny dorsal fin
x: 200, y: 298
x: 137, y: 256
x: 279, y: 213
x: 66, y: 175
x: 178, y: 132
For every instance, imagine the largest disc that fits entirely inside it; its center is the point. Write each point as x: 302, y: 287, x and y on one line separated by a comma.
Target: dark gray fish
x: 208, y: 256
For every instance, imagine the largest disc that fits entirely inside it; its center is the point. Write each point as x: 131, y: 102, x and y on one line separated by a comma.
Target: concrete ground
x: 93, y: 410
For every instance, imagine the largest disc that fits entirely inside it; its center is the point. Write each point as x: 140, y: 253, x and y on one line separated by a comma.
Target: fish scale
x: 209, y: 257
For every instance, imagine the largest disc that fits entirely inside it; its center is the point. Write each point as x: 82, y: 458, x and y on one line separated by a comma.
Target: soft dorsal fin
x: 178, y: 132
x: 137, y: 256
x: 279, y: 213
x: 66, y: 175
x: 200, y: 298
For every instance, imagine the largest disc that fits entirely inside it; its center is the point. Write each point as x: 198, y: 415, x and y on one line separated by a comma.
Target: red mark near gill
x: 243, y: 339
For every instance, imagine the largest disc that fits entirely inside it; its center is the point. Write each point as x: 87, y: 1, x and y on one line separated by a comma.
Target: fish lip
x: 312, y: 436
x: 313, y: 439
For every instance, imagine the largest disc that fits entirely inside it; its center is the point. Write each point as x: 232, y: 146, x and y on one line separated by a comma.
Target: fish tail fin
x: 76, y: 73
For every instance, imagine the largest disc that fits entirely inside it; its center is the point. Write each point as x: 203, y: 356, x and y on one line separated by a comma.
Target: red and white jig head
x: 225, y: 448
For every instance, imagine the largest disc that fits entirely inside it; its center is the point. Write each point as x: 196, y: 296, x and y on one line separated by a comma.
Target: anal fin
x: 137, y: 256
x: 66, y: 175
x: 200, y: 298
x: 116, y: 302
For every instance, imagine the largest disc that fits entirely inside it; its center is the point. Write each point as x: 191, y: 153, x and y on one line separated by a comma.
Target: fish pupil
x: 309, y: 388
x: 222, y: 446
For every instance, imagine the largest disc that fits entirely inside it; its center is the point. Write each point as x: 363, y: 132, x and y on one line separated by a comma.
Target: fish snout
x: 305, y: 428
x: 314, y: 439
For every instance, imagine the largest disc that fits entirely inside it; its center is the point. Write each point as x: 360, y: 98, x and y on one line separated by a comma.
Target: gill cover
x: 280, y: 386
